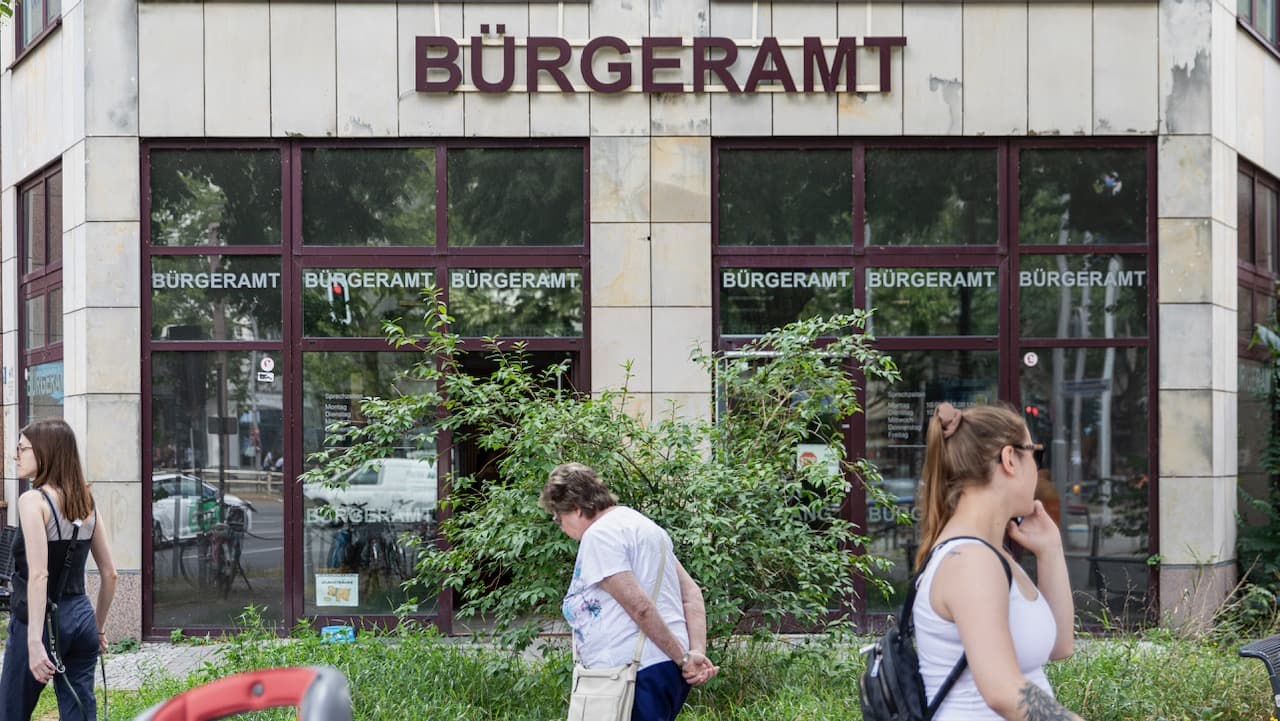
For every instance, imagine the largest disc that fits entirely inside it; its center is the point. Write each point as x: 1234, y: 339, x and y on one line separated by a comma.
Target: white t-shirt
x: 622, y: 539
x: 938, y: 644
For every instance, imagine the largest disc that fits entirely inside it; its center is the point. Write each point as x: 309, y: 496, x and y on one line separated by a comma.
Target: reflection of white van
x: 392, y: 490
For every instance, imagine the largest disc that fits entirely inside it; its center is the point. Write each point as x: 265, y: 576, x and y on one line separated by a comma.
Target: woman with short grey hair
x: 608, y: 604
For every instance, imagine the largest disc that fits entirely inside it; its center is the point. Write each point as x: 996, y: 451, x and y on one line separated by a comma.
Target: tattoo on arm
x: 1036, y: 705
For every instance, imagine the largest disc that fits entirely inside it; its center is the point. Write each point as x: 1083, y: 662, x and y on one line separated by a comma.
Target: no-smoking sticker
x: 1030, y: 359
x: 267, y: 364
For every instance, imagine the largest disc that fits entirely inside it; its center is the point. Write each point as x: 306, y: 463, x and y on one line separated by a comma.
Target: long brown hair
x: 964, y: 459
x: 58, y: 464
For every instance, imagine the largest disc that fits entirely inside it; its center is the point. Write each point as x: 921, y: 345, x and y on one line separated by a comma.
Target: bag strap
x: 906, y: 625
x: 657, y: 586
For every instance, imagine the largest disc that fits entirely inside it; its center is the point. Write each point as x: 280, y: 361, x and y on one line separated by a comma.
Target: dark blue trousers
x: 660, y: 693
x: 78, y: 645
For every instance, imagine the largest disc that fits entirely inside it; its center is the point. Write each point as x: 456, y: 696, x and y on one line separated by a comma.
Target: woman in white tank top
x: 979, y: 474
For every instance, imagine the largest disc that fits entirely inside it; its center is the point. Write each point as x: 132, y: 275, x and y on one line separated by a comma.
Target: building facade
x: 210, y: 208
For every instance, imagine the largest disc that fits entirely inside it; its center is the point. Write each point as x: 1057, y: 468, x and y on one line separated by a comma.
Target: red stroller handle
x: 320, y: 693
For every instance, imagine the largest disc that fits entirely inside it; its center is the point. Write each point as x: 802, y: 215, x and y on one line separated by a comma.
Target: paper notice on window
x: 338, y: 589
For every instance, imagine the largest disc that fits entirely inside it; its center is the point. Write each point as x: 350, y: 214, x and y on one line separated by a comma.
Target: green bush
x: 760, y: 532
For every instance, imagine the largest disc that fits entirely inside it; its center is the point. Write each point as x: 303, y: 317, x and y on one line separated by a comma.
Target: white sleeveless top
x: 938, y: 644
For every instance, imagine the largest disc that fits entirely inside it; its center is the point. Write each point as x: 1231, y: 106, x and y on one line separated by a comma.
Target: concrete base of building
x: 1191, y: 594
x: 125, y: 619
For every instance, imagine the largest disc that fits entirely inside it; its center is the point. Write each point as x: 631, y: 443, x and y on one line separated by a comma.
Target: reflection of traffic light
x: 339, y: 301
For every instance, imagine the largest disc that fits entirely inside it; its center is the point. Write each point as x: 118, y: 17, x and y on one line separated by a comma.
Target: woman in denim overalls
x: 49, y: 566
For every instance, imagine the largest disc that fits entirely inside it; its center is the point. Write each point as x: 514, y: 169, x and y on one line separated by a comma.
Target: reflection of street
x: 181, y: 602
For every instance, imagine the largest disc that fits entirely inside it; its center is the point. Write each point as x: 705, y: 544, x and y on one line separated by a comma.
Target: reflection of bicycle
x: 370, y: 548
x: 219, y: 546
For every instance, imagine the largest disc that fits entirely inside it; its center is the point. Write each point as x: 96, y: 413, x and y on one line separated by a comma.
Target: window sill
x: 35, y: 42
x: 1266, y: 45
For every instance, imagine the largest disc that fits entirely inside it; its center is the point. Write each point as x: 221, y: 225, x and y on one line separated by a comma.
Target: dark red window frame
x: 41, y: 282
x: 296, y: 257
x: 1004, y: 255
x: 1254, y: 278
x: 49, y: 22
x: 1250, y: 24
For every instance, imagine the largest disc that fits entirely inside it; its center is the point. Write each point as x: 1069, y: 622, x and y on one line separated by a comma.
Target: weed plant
x: 413, y: 673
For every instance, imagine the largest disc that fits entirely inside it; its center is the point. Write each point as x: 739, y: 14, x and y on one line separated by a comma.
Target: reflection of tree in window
x: 518, y: 312
x: 501, y: 196
x: 215, y: 197
x: 785, y: 197
x: 365, y: 307
x: 752, y: 307
x: 245, y: 307
x: 1111, y: 304
x: 376, y: 197
x: 906, y: 310
x: 931, y: 197
x: 1082, y: 196
x: 334, y: 384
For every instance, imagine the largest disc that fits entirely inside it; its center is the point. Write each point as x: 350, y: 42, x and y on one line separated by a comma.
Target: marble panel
x: 1225, y: 416
x: 683, y: 405
x: 1187, y: 327
x: 681, y: 179
x: 872, y: 113
x: 680, y: 114
x: 1060, y: 69
x: 427, y: 114
x: 112, y: 423
x: 554, y: 114
x: 1126, y: 61
x: 111, y: 68
x: 74, y: 248
x: 73, y: 186
x: 571, y: 21
x: 681, y: 264
x: 8, y: 240
x: 488, y: 115
x: 739, y: 114
x: 37, y: 135
x: 620, y: 179
x: 367, y: 56
x: 73, y: 77
x: 112, y: 256
x: 125, y: 617
x: 1190, y: 595
x: 933, y: 69
x: 170, y: 69
x: 1223, y: 73
x: 995, y: 64
x: 1185, y: 60
x: 9, y: 301
x: 677, y: 333
x: 8, y: 176
x: 1271, y: 89
x: 627, y: 19
x: 112, y: 186
x: 93, y: 334
x: 680, y: 18
x: 1225, y: 182
x: 237, y: 70
x: 118, y: 503
x: 1251, y: 66
x: 620, y: 337
x: 303, y: 70
x: 1194, y: 513
x: 619, y: 113
x: 1184, y: 166
x: 741, y: 22
x: 805, y: 114
x: 1186, y: 249
x: 1223, y: 267
x: 1186, y: 433
x: 620, y: 264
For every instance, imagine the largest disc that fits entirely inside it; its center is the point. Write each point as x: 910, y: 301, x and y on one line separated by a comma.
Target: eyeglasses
x: 1033, y: 447
x: 22, y: 448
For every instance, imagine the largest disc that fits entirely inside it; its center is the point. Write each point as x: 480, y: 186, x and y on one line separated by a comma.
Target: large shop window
x: 40, y: 295
x: 266, y: 313
x: 1010, y: 271
x: 1258, y: 243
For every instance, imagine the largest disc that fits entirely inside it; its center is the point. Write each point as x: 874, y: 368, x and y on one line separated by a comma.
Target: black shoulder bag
x: 891, y: 688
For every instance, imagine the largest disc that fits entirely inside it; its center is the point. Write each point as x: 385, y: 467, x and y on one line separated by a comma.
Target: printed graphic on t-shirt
x: 581, y: 606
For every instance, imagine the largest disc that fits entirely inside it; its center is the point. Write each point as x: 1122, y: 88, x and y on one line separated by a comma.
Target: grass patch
x: 417, y: 674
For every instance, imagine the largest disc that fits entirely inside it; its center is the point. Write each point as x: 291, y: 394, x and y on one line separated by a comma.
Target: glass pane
x: 215, y: 298
x: 34, y: 231
x: 53, y: 11
x: 32, y: 19
x: 1265, y: 22
x: 785, y: 197
x: 355, y: 554
x: 1244, y: 314
x: 217, y: 516
x: 1083, y: 296
x: 44, y: 391
x: 502, y: 196
x: 55, y: 316
x: 37, y: 312
x: 54, y: 189
x: 1264, y: 308
x: 377, y: 197
x: 1244, y: 8
x: 1244, y: 218
x: 1083, y: 196
x: 347, y: 302
x: 1089, y: 407
x: 215, y: 197
x: 516, y: 302
x: 1265, y: 245
x: 932, y: 197
x: 1253, y: 421
x: 756, y: 300
x: 897, y: 417
x: 933, y: 301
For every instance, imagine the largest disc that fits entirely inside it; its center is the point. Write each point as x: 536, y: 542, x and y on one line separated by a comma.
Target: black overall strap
x: 905, y: 624
x: 51, y: 607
